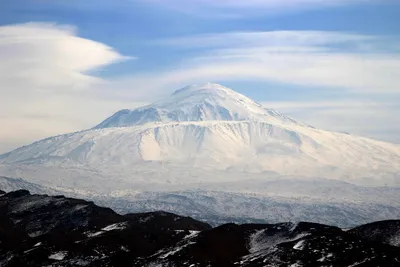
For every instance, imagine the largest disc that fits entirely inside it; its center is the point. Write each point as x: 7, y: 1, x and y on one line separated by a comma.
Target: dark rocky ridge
x: 387, y: 232
x: 41, y: 230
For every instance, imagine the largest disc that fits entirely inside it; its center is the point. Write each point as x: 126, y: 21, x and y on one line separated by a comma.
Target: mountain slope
x: 242, y: 146
x: 386, y: 232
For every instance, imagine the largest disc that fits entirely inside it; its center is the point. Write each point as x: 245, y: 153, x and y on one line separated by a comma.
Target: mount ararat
x: 209, y: 137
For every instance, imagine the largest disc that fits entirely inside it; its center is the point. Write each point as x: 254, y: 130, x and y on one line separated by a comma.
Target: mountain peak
x: 208, y: 94
x: 209, y: 86
x: 206, y: 102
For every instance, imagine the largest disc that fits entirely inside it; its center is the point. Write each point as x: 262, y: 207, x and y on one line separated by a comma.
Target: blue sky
x: 329, y: 63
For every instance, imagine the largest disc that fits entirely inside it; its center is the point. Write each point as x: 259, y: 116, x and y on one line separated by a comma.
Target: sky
x: 67, y: 65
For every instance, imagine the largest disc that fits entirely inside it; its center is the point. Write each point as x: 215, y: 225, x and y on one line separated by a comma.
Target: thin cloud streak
x: 378, y: 120
x: 237, y: 8
x: 330, y: 60
x: 268, y: 38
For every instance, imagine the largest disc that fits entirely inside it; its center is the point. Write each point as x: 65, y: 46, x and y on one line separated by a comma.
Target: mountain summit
x: 208, y: 102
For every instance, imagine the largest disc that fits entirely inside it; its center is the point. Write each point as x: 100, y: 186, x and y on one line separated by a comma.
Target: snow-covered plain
x: 213, y: 139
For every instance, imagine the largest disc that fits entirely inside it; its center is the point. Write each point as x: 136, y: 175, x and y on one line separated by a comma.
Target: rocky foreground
x: 41, y: 230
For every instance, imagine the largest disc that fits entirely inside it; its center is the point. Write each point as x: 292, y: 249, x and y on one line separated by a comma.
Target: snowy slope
x: 12, y: 184
x: 242, y: 146
x: 213, y: 128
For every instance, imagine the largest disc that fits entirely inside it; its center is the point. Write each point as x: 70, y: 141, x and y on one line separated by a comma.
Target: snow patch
x: 395, y: 241
x: 299, y: 245
x: 123, y: 248
x: 59, y: 256
x: 94, y: 234
x: 187, y: 241
x: 112, y: 227
x: 191, y: 234
x: 116, y: 226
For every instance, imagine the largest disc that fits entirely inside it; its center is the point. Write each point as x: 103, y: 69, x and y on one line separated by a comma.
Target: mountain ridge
x: 59, y: 231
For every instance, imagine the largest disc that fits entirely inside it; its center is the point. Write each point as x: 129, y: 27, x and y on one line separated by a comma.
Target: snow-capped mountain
x: 207, y: 127
x: 209, y: 152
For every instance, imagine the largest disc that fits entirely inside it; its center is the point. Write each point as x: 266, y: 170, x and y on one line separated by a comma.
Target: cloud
x: 50, y: 55
x: 328, y: 60
x: 268, y: 38
x: 205, y: 8
x: 268, y: 3
x: 374, y: 119
x: 45, y: 88
x: 239, y: 8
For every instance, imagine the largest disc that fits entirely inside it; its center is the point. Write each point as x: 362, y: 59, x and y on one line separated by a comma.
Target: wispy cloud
x: 49, y: 55
x: 329, y: 60
x: 268, y: 3
x: 44, y: 85
x: 238, y: 8
x: 369, y: 118
x: 269, y: 38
